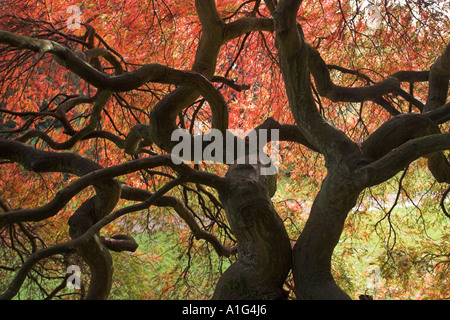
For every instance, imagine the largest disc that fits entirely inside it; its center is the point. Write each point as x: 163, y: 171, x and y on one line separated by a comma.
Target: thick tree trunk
x: 94, y: 253
x: 264, y: 249
x: 314, y: 248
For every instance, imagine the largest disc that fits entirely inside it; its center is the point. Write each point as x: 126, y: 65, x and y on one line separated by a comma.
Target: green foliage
x: 166, y: 267
x: 396, y: 250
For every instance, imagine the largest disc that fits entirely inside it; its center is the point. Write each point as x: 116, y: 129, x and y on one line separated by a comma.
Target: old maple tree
x: 87, y: 116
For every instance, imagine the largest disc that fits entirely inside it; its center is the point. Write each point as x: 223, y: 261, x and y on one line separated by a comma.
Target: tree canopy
x: 348, y: 98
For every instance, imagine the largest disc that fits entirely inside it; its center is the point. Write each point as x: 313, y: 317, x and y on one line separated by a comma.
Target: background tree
x: 87, y: 116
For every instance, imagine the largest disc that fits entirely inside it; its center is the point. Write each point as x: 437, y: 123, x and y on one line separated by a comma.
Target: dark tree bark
x: 264, y: 249
x: 314, y: 248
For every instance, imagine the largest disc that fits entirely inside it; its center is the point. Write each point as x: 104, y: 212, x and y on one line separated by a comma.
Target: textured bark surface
x: 314, y: 248
x: 264, y: 250
x: 94, y: 253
